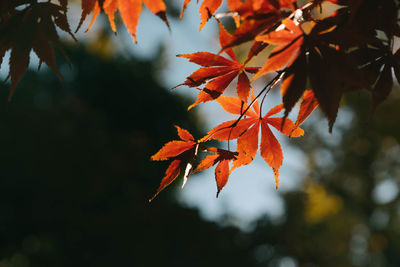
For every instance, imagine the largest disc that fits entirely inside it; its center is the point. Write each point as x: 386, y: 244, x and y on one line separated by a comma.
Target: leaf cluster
x: 320, y: 49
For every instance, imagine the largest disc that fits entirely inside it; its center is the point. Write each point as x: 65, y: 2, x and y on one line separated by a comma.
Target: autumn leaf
x: 253, y: 18
x: 129, y: 10
x: 217, y: 72
x: 207, y: 9
x: 293, y: 82
x: 185, y: 3
x: 234, y: 4
x: 288, y: 41
x: 331, y: 72
x: 183, y: 151
x: 307, y: 106
x: 222, y: 159
x: 32, y: 28
x: 255, y: 49
x: 222, y: 174
x: 246, y: 131
x: 87, y: 8
x: 383, y: 86
x: 376, y: 67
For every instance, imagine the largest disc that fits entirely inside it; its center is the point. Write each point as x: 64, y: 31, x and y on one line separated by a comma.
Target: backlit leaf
x: 270, y: 148
x: 207, y: 59
x: 285, y: 126
x: 247, y: 146
x: 207, y: 9
x: 110, y: 7
x: 87, y: 8
x: 172, y: 149
x: 170, y: 175
x: 213, y: 89
x: 184, y: 134
x: 207, y: 162
x: 185, y: 3
x: 222, y: 174
x: 235, y: 106
x: 158, y: 8
x: 130, y: 11
x: 308, y: 105
x: 229, y: 130
x: 243, y: 87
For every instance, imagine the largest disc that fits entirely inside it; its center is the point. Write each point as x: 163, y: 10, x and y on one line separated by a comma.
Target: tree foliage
x: 319, y: 50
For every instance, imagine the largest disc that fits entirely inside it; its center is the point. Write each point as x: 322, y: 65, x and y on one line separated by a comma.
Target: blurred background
x: 76, y: 175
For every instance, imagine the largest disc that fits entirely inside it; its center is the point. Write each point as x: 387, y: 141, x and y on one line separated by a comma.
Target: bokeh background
x: 76, y: 176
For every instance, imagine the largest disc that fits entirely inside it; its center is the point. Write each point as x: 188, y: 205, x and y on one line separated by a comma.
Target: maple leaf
x: 234, y: 4
x: 185, y: 3
x: 376, y: 65
x: 258, y: 9
x: 207, y: 9
x: 307, y: 106
x: 218, y: 72
x: 246, y: 130
x: 254, y: 17
x: 32, y: 28
x: 288, y: 41
x: 222, y: 157
x: 129, y: 9
x: 330, y: 71
x: 184, y: 151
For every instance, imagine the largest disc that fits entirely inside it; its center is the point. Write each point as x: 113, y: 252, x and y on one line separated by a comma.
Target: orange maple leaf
x: 218, y: 72
x: 247, y: 130
x: 222, y: 170
x: 129, y: 9
x: 307, y: 106
x: 255, y: 17
x: 288, y: 39
x: 184, y: 151
x: 207, y: 9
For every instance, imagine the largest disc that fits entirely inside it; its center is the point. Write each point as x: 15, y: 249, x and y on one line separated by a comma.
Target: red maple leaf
x: 184, y: 151
x: 247, y: 130
x: 218, y: 72
x: 288, y: 40
x: 307, y: 106
x: 222, y: 157
x: 254, y: 17
x: 207, y: 9
x: 129, y: 9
